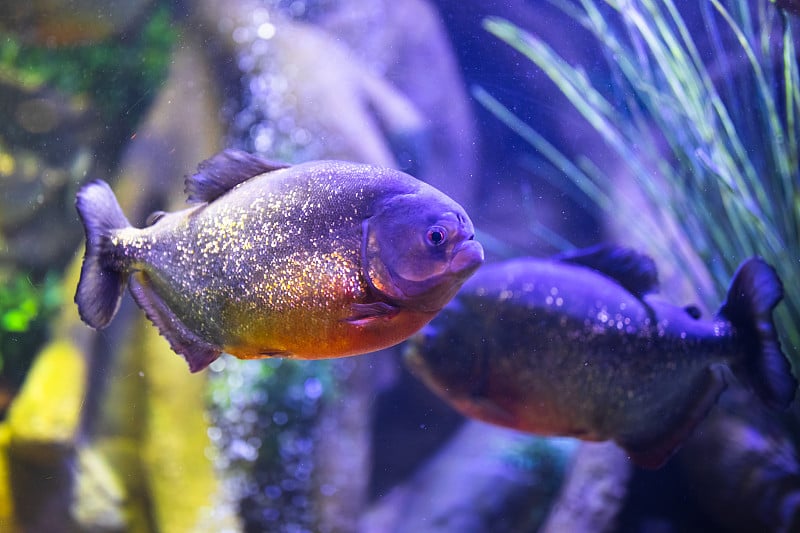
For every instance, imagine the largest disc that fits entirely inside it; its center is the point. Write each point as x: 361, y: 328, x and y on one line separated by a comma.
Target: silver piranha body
x: 321, y: 259
x: 578, y: 346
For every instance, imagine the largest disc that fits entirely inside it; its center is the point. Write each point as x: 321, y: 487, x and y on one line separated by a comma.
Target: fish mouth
x: 467, y: 258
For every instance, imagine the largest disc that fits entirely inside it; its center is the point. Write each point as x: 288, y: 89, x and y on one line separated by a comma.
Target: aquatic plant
x: 25, y: 309
x: 707, y: 165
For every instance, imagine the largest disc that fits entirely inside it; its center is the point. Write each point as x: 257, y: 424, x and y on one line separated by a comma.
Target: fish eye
x: 436, y: 235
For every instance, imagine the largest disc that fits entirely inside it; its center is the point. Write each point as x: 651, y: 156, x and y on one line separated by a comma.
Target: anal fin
x: 364, y: 314
x: 197, y: 352
x: 654, y: 454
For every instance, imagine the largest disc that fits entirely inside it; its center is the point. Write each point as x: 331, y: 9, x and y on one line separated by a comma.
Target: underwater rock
x: 44, y: 418
x: 183, y: 126
x: 485, y: 479
x: 180, y: 479
x: 742, y: 467
x: 43, y: 424
x: 593, y: 492
x: 41, y: 435
x: 99, y: 494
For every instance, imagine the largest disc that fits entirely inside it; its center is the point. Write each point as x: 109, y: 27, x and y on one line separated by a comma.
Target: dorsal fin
x: 219, y: 174
x: 635, y: 271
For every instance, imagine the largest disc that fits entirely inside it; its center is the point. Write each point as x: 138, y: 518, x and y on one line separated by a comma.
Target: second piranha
x: 579, y: 346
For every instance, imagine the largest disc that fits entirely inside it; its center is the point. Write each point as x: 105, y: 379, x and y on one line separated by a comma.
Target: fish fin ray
x: 754, y: 293
x: 197, y: 352
x: 653, y: 453
x: 224, y: 171
x: 102, y: 282
x: 364, y: 314
x: 635, y: 271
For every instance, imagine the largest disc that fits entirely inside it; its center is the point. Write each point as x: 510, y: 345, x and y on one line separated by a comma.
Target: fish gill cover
x: 707, y: 168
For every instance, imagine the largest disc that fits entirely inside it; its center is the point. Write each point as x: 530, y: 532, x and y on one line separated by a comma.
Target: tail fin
x: 752, y: 296
x: 101, y: 284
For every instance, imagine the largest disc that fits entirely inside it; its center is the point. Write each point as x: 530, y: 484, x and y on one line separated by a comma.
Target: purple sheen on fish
x: 580, y: 346
x: 316, y: 260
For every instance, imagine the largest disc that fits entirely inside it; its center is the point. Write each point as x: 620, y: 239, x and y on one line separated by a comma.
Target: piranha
x: 580, y: 346
x: 316, y: 260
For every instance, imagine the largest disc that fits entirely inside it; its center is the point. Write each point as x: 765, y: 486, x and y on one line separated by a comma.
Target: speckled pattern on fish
x: 321, y: 259
x: 579, y: 346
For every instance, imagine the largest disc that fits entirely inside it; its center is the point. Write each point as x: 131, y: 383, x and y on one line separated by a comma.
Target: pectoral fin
x: 197, y: 352
x: 364, y: 314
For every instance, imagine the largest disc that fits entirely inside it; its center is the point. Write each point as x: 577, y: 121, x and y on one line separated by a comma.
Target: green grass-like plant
x: 25, y: 309
x: 711, y: 162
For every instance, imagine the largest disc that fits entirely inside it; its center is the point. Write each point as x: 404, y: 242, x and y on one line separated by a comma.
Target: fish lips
x: 431, y: 294
x: 466, y: 258
x: 437, y: 291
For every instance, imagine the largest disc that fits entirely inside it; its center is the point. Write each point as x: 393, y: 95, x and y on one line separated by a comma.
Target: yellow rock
x: 98, y: 495
x: 7, y: 520
x: 122, y: 455
x: 180, y: 476
x: 44, y: 418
